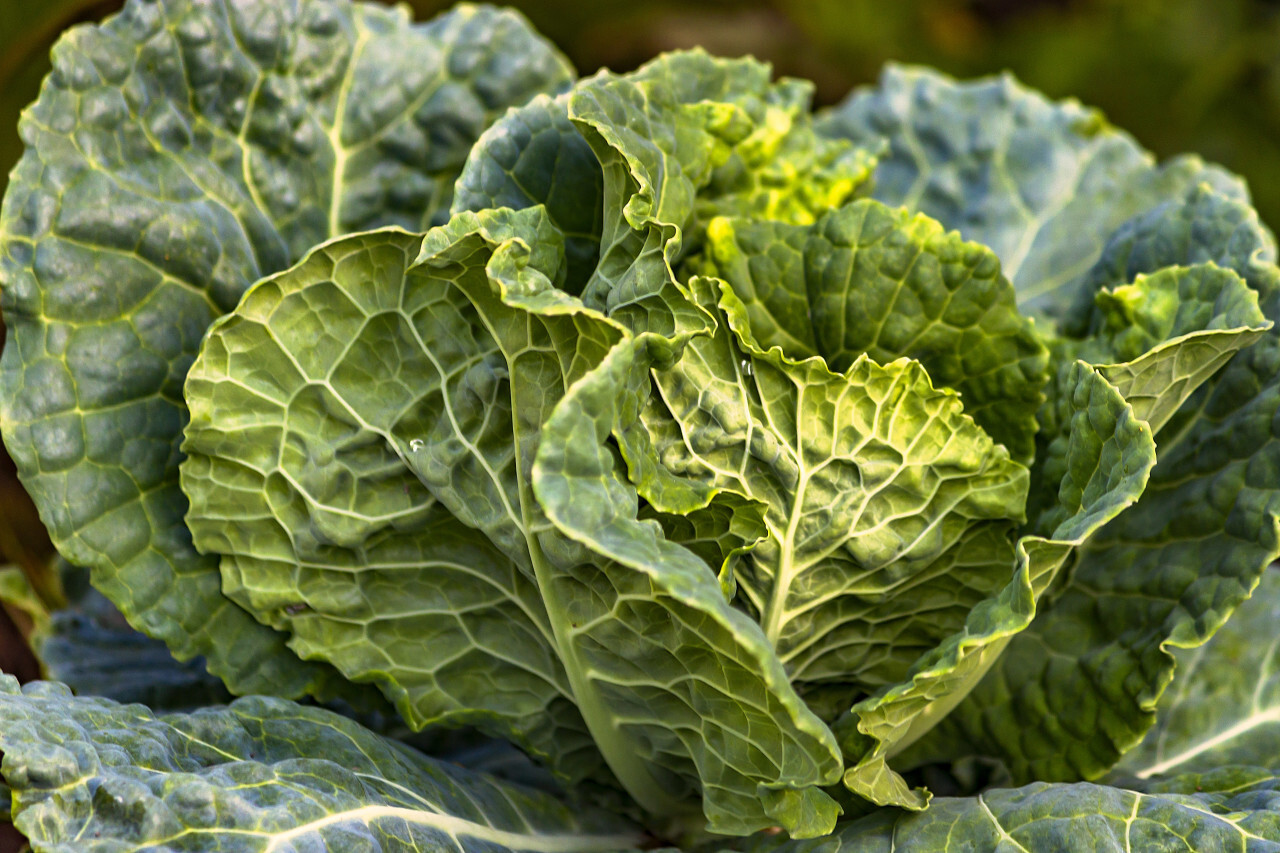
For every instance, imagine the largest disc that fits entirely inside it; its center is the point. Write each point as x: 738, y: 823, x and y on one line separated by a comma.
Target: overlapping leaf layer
x: 733, y: 458
x: 259, y: 775
x: 177, y: 154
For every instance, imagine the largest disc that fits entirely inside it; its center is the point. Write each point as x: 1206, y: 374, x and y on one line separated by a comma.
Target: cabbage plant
x: 756, y: 472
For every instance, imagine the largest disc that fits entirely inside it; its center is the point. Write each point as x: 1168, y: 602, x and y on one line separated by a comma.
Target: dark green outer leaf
x: 1204, y: 225
x: 259, y: 775
x: 89, y: 646
x: 1068, y: 818
x: 1043, y: 184
x: 1079, y: 688
x: 177, y: 153
x: 1224, y: 706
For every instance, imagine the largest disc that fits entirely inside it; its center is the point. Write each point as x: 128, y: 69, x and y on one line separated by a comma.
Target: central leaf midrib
x: 456, y: 828
x: 787, y: 570
x: 1241, y: 727
x: 335, y: 133
x: 618, y: 751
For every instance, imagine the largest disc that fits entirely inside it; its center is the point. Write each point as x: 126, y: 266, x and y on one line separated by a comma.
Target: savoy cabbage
x: 744, y: 466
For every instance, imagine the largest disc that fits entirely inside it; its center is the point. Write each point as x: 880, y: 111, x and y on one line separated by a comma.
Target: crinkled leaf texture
x: 1158, y: 276
x: 1202, y: 780
x: 665, y: 455
x: 297, y: 475
x: 261, y: 774
x: 865, y: 278
x: 1042, y: 184
x: 1231, y: 809
x: 1079, y: 688
x: 412, y: 431
x: 877, y: 492
x: 725, y: 420
x: 687, y: 137
x: 1107, y: 456
x: 177, y: 153
x: 1166, y: 309
x: 1224, y: 706
x: 373, y: 495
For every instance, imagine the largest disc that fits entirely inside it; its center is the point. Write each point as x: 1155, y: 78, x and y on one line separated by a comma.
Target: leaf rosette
x: 735, y: 457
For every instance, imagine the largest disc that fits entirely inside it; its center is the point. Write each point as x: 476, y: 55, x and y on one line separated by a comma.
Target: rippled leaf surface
x: 867, y: 279
x: 308, y: 404
x: 1104, y: 459
x: 693, y: 475
x: 177, y: 153
x: 1224, y: 706
x: 1028, y: 213
x: 1080, y: 687
x: 373, y: 497
x: 258, y: 775
x: 1043, y: 184
x: 632, y: 168
x: 1215, y: 812
x: 879, y: 494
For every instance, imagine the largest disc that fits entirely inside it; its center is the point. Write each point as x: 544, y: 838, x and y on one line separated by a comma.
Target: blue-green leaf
x: 1043, y: 184
x: 261, y: 774
x: 1077, y: 212
x: 1224, y: 706
x: 1080, y: 687
x: 1230, y: 810
x: 177, y: 153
